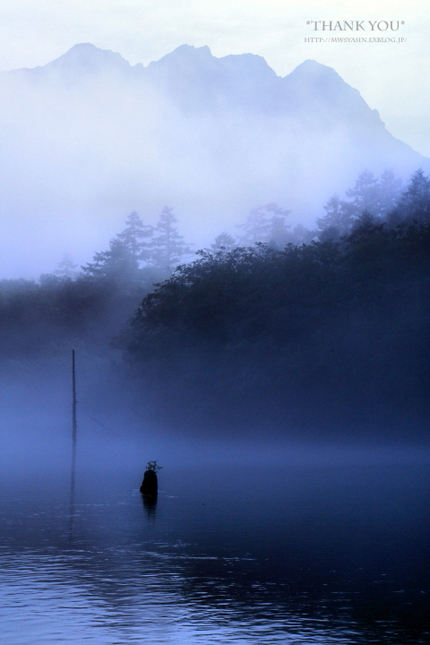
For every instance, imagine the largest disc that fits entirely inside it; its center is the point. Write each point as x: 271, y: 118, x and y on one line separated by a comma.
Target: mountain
x: 88, y: 138
x: 86, y: 59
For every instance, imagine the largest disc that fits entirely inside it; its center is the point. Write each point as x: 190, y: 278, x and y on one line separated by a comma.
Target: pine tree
x: 365, y: 196
x: 302, y: 235
x: 279, y: 230
x: 118, y: 263
x: 256, y: 227
x: 136, y: 236
x: 338, y: 218
x: 66, y: 268
x: 369, y: 195
x: 121, y: 262
x: 389, y: 192
x: 167, y: 247
x: 266, y: 224
x: 414, y: 203
x: 223, y: 241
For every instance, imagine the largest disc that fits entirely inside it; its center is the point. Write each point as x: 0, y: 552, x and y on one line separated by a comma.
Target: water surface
x: 295, y: 555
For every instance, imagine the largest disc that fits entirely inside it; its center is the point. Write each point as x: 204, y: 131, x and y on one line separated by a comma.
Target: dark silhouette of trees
x: 317, y: 335
x: 331, y: 332
x: 89, y: 308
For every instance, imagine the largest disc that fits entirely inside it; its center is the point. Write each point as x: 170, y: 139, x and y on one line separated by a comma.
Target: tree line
x: 377, y: 199
x: 373, y: 199
x: 93, y: 305
x: 88, y: 307
x: 333, y: 334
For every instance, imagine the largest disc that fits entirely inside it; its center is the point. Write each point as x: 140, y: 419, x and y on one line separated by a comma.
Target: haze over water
x: 307, y: 552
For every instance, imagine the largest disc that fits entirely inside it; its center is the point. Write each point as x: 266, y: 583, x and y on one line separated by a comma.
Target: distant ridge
x: 89, y: 58
x: 311, y: 87
x: 88, y: 138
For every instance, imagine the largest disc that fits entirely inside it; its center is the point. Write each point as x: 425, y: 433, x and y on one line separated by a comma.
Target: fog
x: 118, y: 430
x: 88, y: 138
x: 324, y: 370
x: 279, y: 377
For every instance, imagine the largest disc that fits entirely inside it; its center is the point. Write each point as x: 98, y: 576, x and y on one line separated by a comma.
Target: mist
x: 239, y: 265
x: 89, y: 138
x: 288, y: 337
x: 117, y: 435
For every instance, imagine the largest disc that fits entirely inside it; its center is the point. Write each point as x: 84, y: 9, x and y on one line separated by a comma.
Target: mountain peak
x: 248, y: 64
x: 312, y: 72
x: 321, y: 88
x: 212, y: 81
x: 184, y: 56
x: 190, y: 50
x: 87, y: 58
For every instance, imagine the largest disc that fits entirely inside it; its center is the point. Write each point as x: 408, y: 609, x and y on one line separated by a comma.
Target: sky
x: 391, y: 76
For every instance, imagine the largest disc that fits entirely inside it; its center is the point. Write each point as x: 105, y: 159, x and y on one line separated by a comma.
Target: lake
x: 297, y: 554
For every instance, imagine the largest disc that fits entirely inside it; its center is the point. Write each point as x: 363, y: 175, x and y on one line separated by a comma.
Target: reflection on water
x: 317, y: 555
x: 72, y: 490
x: 150, y: 504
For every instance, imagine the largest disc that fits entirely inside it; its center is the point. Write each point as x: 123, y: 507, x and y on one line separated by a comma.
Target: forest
x: 273, y: 329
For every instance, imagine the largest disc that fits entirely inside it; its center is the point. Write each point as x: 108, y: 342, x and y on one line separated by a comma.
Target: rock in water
x: 150, y: 483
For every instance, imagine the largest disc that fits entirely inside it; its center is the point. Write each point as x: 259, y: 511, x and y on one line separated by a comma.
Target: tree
x: 414, y: 203
x: 302, y: 331
x: 389, y: 192
x: 371, y: 195
x: 337, y: 220
x: 121, y: 262
x: 136, y: 236
x: 266, y: 224
x: 279, y: 230
x: 117, y: 263
x: 66, y: 268
x: 168, y: 247
x: 365, y: 196
x: 223, y: 241
x: 302, y: 235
